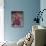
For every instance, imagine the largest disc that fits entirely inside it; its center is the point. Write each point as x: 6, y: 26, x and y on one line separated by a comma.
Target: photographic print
x: 17, y: 18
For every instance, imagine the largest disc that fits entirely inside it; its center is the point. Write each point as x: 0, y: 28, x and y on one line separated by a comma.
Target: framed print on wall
x: 17, y: 18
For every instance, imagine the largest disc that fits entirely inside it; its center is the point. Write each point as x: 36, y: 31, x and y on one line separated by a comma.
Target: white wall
x: 1, y: 20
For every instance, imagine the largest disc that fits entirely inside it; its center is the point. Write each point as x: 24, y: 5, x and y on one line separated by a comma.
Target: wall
x: 29, y: 7
x: 1, y: 21
x: 43, y: 6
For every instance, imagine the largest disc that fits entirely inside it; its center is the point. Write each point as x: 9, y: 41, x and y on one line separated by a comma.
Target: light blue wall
x: 29, y: 7
x: 43, y: 6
